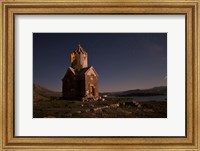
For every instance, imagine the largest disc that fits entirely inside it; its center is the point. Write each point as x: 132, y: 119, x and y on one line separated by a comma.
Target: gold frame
x: 190, y: 8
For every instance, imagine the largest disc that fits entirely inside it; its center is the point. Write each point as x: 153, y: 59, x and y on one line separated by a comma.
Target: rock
x: 96, y: 99
x: 122, y: 104
x: 78, y: 112
x: 114, y: 105
x: 91, y: 105
x: 87, y: 110
x: 133, y: 103
x: 96, y: 109
x: 84, y: 99
x: 105, y: 107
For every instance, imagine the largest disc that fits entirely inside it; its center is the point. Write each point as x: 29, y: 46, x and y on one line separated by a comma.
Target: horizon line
x: 107, y: 91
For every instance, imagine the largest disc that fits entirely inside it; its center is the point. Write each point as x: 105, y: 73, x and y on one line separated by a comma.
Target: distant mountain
x: 161, y: 90
x: 41, y: 93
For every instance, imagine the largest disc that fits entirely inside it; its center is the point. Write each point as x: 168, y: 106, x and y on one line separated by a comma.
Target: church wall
x: 70, y: 86
x: 91, y: 81
x: 82, y: 86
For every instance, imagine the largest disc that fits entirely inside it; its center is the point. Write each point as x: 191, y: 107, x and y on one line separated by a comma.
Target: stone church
x: 80, y: 80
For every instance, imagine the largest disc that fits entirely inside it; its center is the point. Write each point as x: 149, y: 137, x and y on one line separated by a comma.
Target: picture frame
x: 7, y: 79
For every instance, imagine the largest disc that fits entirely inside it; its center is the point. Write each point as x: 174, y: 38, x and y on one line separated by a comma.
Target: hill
x: 41, y: 93
x: 161, y: 90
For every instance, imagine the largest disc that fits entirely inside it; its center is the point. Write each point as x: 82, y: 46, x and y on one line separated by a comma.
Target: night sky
x: 123, y: 61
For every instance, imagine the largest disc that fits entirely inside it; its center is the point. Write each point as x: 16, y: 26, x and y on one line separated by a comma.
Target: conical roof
x: 79, y: 50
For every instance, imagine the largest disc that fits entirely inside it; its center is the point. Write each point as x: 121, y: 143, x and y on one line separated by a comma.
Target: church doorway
x: 92, y: 91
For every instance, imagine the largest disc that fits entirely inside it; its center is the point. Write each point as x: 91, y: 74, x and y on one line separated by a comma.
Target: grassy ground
x: 120, y: 109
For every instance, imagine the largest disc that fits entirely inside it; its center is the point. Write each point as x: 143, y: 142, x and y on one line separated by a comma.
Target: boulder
x: 114, y: 105
x: 133, y: 103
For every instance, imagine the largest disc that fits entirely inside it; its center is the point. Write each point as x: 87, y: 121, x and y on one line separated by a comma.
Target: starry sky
x: 123, y: 61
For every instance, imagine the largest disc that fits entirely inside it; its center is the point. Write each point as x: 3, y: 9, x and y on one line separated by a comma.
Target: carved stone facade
x: 80, y: 79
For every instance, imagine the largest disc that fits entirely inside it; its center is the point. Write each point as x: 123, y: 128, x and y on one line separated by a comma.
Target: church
x: 80, y: 80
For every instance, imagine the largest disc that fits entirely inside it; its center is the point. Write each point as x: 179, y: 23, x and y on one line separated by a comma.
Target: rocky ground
x: 110, y: 108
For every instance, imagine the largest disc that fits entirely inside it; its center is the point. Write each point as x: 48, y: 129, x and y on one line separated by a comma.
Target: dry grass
x: 76, y: 109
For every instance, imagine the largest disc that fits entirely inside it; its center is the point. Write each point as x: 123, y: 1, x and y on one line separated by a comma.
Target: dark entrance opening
x: 92, y: 90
